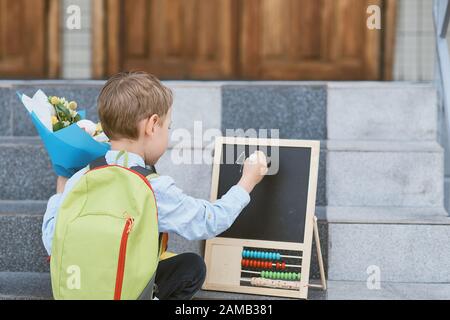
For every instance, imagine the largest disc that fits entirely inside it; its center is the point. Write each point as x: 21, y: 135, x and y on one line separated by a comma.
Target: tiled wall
x: 415, y: 47
x: 76, y: 57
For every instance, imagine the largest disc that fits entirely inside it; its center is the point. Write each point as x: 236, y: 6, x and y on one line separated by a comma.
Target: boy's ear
x: 152, y: 122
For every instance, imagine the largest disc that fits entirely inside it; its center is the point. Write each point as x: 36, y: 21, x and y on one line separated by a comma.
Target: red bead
x: 283, y: 265
x: 278, y: 265
x: 259, y: 264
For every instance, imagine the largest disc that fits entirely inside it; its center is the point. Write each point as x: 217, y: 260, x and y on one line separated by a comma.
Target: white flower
x: 87, y: 126
x: 101, y: 137
x: 66, y: 123
x: 73, y: 113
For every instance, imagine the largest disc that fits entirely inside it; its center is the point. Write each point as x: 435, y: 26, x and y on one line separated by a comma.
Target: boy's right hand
x: 255, y: 168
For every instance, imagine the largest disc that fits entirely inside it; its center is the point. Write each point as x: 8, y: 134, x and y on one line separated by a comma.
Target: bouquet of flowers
x: 71, y: 141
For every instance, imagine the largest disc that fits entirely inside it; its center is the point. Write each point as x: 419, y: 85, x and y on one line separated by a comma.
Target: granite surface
x: 21, y: 247
x: 298, y: 112
x: 37, y: 286
x: 26, y: 172
x: 400, y: 253
x: 6, y: 112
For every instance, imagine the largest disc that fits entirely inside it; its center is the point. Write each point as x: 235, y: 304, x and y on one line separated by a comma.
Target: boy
x: 135, y: 112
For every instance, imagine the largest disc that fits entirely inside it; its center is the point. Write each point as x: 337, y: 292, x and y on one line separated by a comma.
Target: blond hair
x: 129, y: 97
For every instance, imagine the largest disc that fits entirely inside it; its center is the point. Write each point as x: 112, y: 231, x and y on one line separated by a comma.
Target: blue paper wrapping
x: 70, y: 149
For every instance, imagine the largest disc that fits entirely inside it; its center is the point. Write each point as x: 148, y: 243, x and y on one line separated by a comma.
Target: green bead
x: 298, y: 276
x: 289, y: 276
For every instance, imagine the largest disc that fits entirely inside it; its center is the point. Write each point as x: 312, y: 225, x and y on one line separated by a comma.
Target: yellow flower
x: 73, y: 105
x: 54, y: 100
x: 54, y: 120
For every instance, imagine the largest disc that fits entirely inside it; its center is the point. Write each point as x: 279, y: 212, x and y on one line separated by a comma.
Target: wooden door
x: 240, y: 39
x: 29, y: 44
x: 309, y: 40
x: 174, y: 39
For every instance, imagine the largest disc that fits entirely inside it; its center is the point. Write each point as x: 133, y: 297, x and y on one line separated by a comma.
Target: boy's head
x: 135, y: 112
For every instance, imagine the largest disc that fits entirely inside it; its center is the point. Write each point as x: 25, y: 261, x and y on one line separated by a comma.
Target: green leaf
x: 58, y: 126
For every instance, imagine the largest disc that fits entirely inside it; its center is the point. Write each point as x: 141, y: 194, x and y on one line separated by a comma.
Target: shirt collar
x: 133, y: 158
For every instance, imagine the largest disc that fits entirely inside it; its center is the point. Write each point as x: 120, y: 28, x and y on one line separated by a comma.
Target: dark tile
x: 323, y: 234
x: 5, y: 112
x: 22, y: 249
x: 299, y: 112
x: 26, y: 172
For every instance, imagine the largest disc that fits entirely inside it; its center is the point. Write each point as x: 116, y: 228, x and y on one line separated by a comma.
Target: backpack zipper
x: 122, y: 257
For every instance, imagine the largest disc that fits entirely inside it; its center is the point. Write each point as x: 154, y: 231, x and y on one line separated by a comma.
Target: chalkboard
x: 277, y: 210
x: 276, y: 229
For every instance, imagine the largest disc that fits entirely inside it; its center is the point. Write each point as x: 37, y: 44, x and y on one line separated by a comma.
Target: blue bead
x: 243, y: 254
x: 252, y: 254
x: 266, y: 255
x: 258, y: 255
x: 278, y: 256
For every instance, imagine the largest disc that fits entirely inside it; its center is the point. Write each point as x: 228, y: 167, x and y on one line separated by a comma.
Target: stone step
x: 22, y: 249
x: 37, y: 286
x: 374, y: 173
x: 412, y: 249
x: 194, y: 103
x: 26, y: 171
x: 382, y: 111
x: 27, y: 174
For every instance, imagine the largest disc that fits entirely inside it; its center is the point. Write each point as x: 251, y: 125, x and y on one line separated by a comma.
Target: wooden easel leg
x: 323, y: 280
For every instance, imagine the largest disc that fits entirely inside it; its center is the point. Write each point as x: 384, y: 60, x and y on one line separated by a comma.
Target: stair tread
x: 34, y: 286
x: 387, y: 215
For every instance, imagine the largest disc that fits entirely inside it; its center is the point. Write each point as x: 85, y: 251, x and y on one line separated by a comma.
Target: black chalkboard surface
x: 277, y: 210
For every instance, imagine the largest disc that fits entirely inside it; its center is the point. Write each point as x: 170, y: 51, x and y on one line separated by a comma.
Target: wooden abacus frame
x: 223, y: 255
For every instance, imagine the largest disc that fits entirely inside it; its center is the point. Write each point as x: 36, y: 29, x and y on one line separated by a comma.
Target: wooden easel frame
x: 225, y: 253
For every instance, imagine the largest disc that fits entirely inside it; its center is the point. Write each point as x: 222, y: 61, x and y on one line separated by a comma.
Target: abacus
x: 270, y: 268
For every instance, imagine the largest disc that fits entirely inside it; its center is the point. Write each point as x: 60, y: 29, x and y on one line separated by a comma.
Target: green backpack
x: 106, y: 243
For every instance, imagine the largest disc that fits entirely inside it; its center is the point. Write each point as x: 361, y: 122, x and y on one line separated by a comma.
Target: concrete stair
x: 381, y: 178
x: 385, y: 184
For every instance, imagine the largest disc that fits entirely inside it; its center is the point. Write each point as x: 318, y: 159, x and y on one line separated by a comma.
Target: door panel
x: 175, y: 39
x: 243, y: 39
x: 308, y: 40
x: 24, y: 38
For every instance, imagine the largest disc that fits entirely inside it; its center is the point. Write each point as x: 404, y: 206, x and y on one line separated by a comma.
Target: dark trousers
x: 180, y: 277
